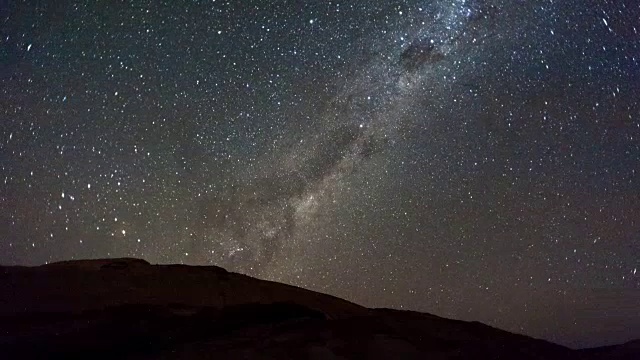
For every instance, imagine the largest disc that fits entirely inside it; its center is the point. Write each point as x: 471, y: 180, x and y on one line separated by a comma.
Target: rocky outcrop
x: 128, y: 308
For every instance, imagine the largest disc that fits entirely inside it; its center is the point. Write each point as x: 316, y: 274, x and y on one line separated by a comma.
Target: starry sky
x: 475, y: 159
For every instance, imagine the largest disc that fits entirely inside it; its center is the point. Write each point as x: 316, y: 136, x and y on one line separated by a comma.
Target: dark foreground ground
x: 129, y: 309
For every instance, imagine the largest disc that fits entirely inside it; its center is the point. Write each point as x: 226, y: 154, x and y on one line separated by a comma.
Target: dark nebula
x: 419, y: 53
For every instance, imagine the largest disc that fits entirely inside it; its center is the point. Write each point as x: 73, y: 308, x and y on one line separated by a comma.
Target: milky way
x: 468, y: 158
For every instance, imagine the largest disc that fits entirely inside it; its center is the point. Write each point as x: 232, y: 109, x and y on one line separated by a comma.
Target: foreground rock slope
x: 129, y: 309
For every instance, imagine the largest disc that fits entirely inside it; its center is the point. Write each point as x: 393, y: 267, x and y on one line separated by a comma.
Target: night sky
x: 474, y: 159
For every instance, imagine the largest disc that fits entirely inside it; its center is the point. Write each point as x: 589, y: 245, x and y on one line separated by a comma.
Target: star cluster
x: 476, y: 159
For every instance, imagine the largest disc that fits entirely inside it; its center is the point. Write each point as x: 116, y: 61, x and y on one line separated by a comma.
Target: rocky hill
x: 128, y: 308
